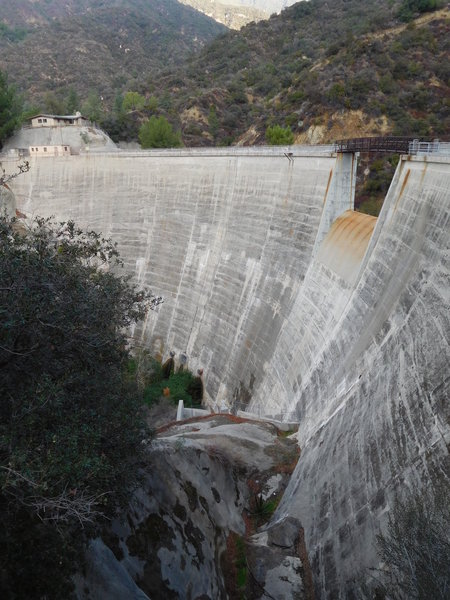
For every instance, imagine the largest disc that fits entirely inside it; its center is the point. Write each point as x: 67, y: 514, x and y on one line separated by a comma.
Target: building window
x: 44, y: 120
x: 65, y: 148
x: 45, y: 149
x: 39, y: 120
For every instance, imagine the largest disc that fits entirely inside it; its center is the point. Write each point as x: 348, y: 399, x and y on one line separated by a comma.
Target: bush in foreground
x: 69, y: 420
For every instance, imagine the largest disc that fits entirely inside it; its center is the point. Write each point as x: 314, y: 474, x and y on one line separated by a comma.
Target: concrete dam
x: 295, y: 306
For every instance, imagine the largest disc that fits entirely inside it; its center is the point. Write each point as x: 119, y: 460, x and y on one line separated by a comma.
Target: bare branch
x: 68, y: 506
x: 23, y: 168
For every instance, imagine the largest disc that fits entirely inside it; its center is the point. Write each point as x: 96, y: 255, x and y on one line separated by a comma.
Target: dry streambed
x: 204, y: 524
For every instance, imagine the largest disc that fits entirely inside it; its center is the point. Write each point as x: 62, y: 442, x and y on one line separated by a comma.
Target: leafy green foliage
x: 409, y: 8
x: 157, y: 132
x: 180, y: 386
x: 261, y: 510
x: 73, y: 102
x: 133, y: 101
x: 151, y: 103
x: 63, y: 36
x: 317, y: 60
x: 213, y: 121
x: 69, y: 419
x: 12, y: 34
x: 10, y: 109
x: 92, y: 107
x: 279, y: 136
x: 54, y: 104
x: 371, y: 192
x: 241, y: 564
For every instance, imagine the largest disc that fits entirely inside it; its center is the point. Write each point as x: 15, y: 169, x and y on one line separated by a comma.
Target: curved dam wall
x: 369, y: 378
x: 296, y: 307
x: 225, y: 237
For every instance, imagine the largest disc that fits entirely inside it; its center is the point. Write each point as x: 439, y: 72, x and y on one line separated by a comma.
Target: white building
x: 49, y: 150
x: 43, y: 120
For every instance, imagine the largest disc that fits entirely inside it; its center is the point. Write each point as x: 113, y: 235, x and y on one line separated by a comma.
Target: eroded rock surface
x: 206, y: 481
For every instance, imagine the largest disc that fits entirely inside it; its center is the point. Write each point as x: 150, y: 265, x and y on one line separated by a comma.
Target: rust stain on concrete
x: 328, y: 186
x: 346, y: 243
x: 402, y: 189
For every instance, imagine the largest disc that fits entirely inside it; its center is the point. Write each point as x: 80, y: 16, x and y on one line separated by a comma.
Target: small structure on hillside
x: 47, y: 135
x: 49, y: 150
x: 43, y: 120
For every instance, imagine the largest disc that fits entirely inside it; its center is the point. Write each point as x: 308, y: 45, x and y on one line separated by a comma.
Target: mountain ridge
x: 49, y: 46
x: 314, y: 66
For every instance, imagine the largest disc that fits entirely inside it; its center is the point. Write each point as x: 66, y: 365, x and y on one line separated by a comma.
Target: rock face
x: 7, y: 201
x: 342, y: 324
x: 196, y: 500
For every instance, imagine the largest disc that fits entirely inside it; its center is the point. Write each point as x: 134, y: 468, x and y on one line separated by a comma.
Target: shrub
x: 10, y: 109
x: 69, y: 420
x: 133, y: 101
x: 416, y: 550
x: 409, y: 8
x: 279, y: 136
x: 157, y: 132
x: 181, y: 386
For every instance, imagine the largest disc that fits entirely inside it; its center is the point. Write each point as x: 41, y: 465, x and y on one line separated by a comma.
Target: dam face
x: 294, y: 306
x: 226, y: 238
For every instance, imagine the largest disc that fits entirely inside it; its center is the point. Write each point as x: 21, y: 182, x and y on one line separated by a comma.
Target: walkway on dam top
x: 400, y: 145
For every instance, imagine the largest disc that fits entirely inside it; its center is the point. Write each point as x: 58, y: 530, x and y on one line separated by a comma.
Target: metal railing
x: 421, y: 147
x: 258, y: 410
x: 374, y: 144
x: 400, y: 145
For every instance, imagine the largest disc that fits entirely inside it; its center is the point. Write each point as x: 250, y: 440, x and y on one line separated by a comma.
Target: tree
x: 73, y: 102
x: 70, y: 423
x: 10, y: 109
x: 213, y: 121
x: 415, y: 550
x: 92, y: 108
x: 54, y: 104
x: 157, y: 132
x: 118, y: 110
x: 151, y: 103
x: 409, y: 8
x: 133, y: 101
x: 279, y: 136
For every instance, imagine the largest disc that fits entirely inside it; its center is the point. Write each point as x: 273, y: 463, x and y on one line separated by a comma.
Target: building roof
x: 77, y: 115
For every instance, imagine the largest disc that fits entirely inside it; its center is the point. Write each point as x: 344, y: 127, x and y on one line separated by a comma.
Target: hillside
x: 324, y: 69
x: 106, y: 46
x: 237, y: 13
x: 233, y: 17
